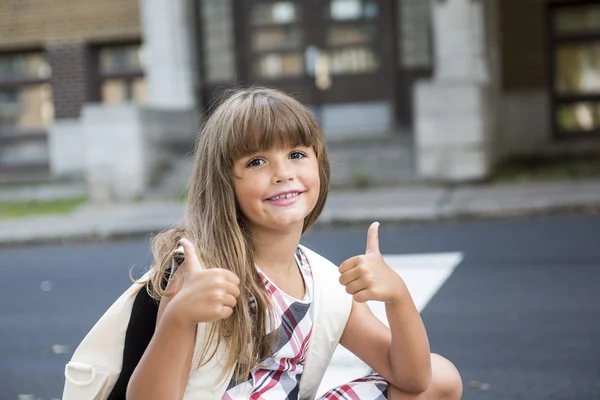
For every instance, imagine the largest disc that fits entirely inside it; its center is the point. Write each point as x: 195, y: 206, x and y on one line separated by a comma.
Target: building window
x: 25, y: 94
x: 26, y: 110
x: 575, y: 66
x: 121, y: 74
x: 414, y: 34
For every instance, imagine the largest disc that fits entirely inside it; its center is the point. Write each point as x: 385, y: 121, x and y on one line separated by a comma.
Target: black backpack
x: 141, y: 326
x: 137, y: 337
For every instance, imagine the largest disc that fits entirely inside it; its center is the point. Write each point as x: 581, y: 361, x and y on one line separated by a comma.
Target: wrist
x: 400, y: 295
x: 174, y: 318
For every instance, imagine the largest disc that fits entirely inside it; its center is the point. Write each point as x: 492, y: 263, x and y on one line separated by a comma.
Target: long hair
x: 247, y: 121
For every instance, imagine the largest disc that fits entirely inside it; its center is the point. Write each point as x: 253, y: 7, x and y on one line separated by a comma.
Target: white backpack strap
x: 96, y: 363
x: 202, y: 382
x: 332, y: 307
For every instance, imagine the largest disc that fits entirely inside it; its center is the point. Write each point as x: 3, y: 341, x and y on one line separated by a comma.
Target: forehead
x: 273, y: 133
x: 260, y: 142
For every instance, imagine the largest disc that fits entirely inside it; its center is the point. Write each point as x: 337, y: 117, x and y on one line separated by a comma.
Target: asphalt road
x: 520, y: 316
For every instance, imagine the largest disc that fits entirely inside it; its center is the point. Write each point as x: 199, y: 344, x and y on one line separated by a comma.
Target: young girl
x: 266, y: 312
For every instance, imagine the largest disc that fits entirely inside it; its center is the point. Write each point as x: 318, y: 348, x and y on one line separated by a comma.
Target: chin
x: 289, y: 223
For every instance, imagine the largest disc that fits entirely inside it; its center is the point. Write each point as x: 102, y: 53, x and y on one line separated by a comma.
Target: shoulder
x: 324, y: 271
x: 332, y: 303
x: 318, y: 261
x: 319, y: 265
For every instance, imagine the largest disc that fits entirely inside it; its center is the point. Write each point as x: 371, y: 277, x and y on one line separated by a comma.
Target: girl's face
x: 276, y: 189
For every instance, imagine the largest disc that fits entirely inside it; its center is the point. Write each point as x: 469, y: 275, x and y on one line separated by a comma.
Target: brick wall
x: 71, y: 77
x: 32, y: 23
x: 66, y: 29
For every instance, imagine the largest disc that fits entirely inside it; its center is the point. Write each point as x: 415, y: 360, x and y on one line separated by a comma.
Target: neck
x: 274, y: 250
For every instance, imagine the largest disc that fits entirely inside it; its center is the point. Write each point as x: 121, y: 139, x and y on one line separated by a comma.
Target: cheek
x: 314, y: 181
x: 247, y: 196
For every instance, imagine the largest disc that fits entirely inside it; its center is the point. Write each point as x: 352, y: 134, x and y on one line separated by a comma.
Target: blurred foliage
x: 16, y: 209
x: 541, y: 169
x: 362, y: 178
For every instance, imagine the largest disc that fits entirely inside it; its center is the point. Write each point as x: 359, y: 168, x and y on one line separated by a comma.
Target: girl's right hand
x: 206, y: 295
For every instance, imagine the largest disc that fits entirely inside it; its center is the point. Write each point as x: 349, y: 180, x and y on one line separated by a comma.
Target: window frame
x: 14, y: 134
x: 555, y: 39
x: 99, y: 77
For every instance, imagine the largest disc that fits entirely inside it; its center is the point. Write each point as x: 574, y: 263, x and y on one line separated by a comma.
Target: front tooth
x: 288, y: 196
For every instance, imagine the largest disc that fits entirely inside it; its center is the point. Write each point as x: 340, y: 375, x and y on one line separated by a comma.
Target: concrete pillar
x: 453, y: 111
x: 459, y: 41
x: 166, y: 27
x: 116, y: 152
x: 123, y: 151
x: 66, y: 144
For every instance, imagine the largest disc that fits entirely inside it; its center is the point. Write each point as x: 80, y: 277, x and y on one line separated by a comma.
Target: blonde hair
x: 247, y: 121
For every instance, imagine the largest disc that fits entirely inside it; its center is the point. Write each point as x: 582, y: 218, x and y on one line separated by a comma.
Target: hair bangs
x: 267, y: 122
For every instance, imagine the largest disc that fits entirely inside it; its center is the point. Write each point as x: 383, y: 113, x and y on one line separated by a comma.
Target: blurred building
x: 109, y: 92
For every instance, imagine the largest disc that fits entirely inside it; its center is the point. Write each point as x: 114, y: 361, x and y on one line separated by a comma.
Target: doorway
x: 335, y: 56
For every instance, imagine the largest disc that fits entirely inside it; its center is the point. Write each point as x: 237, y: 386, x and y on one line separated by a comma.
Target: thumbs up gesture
x: 206, y: 294
x: 368, y: 277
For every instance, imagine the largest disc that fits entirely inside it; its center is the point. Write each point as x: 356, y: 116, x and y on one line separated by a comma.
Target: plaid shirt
x: 278, y: 377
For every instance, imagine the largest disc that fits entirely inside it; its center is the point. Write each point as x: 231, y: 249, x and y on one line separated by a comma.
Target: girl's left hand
x: 368, y: 277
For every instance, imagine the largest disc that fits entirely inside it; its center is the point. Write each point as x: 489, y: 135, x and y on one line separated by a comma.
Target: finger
x: 191, y: 259
x: 226, y: 312
x: 363, y: 296
x: 373, y: 238
x: 356, y: 286
x: 232, y: 289
x: 231, y: 276
x: 350, y: 275
x: 229, y: 301
x: 349, y: 264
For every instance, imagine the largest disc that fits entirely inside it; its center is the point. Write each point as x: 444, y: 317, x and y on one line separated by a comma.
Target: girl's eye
x: 297, y: 155
x: 255, y: 162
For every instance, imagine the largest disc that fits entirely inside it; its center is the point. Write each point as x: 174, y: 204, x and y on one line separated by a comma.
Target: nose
x: 282, y: 172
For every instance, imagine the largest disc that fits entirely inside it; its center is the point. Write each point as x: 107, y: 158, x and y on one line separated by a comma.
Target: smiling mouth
x: 285, y: 196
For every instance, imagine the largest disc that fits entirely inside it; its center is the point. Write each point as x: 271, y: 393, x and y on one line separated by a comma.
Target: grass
x: 539, y: 169
x: 18, y: 209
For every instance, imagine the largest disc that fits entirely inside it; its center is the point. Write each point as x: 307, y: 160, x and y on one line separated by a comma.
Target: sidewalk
x: 398, y: 204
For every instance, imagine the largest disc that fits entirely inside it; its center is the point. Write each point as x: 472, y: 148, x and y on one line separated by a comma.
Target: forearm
x: 164, y: 368
x: 409, y: 352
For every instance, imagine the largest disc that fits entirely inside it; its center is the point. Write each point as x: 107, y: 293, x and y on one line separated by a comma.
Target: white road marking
x: 424, y: 275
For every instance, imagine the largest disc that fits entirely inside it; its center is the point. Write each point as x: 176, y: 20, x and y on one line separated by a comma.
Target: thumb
x: 191, y: 261
x: 373, y: 238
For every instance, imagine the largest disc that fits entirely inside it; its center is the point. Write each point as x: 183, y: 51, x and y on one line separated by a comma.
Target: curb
x: 350, y: 217
x: 401, y: 217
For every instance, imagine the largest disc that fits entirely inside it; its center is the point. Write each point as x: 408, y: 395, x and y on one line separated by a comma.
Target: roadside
x: 544, y: 169
x: 400, y: 204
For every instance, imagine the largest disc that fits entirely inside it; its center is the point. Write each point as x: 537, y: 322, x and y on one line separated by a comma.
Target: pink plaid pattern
x: 370, y: 387
x: 278, y: 377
